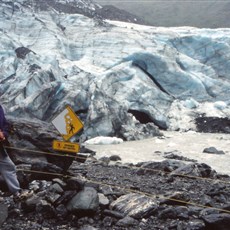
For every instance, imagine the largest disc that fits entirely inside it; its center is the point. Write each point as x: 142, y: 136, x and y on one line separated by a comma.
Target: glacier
x: 122, y: 79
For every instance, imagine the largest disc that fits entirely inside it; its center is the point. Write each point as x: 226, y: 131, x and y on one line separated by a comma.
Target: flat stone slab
x: 134, y: 205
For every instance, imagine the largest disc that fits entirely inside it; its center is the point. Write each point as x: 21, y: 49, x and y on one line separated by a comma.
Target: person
x: 7, y: 167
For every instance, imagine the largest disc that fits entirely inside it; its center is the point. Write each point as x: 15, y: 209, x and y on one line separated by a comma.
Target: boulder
x: 134, y: 205
x: 52, y: 171
x: 217, y: 221
x: 195, y: 170
x: 103, y: 200
x: 166, y: 165
x: 84, y: 202
x: 213, y: 150
x: 179, y: 212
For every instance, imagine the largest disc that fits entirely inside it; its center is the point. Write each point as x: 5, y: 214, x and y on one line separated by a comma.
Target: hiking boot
x: 22, y: 195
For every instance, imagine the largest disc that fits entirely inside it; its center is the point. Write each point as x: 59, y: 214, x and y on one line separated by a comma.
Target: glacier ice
x: 101, y: 140
x: 169, y: 74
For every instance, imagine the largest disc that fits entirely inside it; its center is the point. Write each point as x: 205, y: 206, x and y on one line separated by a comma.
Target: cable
x: 42, y: 152
x: 129, y: 190
x: 131, y: 167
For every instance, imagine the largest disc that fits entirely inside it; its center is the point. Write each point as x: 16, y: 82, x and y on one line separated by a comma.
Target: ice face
x: 168, y: 74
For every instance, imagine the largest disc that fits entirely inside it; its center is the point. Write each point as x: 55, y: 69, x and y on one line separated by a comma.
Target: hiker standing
x: 7, y: 167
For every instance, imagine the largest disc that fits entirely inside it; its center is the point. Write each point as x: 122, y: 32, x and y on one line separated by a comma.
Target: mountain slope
x: 201, y: 14
x: 87, y: 8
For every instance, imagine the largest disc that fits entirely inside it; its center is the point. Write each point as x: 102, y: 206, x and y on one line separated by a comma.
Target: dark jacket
x: 4, y: 126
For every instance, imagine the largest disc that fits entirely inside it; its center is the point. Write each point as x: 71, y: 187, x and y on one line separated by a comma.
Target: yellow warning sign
x: 66, y: 146
x: 67, y: 123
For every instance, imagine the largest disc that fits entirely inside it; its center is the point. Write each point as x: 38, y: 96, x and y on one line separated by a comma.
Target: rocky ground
x: 104, y: 194
x: 88, y: 192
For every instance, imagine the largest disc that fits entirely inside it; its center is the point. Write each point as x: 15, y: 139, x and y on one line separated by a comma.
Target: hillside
x: 201, y: 14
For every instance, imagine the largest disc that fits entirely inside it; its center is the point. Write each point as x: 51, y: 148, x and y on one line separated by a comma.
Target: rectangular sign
x: 66, y: 146
x: 67, y: 123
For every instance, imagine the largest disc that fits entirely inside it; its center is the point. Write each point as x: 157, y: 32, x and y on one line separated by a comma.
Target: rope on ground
x: 129, y: 190
x: 131, y: 167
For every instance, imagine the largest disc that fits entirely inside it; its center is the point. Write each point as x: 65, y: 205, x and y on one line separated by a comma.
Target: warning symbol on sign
x: 67, y: 123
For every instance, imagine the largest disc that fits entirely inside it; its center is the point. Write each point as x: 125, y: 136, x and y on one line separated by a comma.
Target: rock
x: 60, y: 182
x: 173, y: 155
x: 75, y: 183
x: 217, y: 189
x: 52, y: 197
x: 61, y: 211
x: 115, y: 214
x: 189, y: 225
x: 3, y: 213
x: 65, y: 198
x: 103, y: 200
x: 30, y: 204
x: 196, y: 225
x: 108, y: 221
x: 88, y: 227
x: 84, y: 202
x: 196, y: 170
x: 213, y: 124
x: 175, y: 199
x: 213, y: 150
x: 21, y: 52
x: 217, y: 221
x: 195, y: 211
x: 40, y: 142
x: 127, y: 222
x: 92, y: 184
x: 209, y: 211
x: 52, y: 171
x: 152, y: 167
x: 206, y: 200
x: 227, y: 207
x: 34, y: 185
x: 104, y: 161
x: 15, y: 212
x: 134, y: 205
x: 85, y: 150
x: 179, y: 212
x: 56, y: 188
x: 79, y: 169
x: 46, y: 209
x: 115, y: 158
x: 168, y: 213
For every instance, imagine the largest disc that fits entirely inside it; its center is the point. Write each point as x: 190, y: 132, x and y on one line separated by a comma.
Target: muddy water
x: 190, y: 144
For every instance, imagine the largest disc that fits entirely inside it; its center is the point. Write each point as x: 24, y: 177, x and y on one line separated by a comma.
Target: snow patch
x: 101, y: 140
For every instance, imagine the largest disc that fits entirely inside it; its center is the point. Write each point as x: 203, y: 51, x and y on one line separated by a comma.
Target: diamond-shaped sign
x: 67, y: 123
